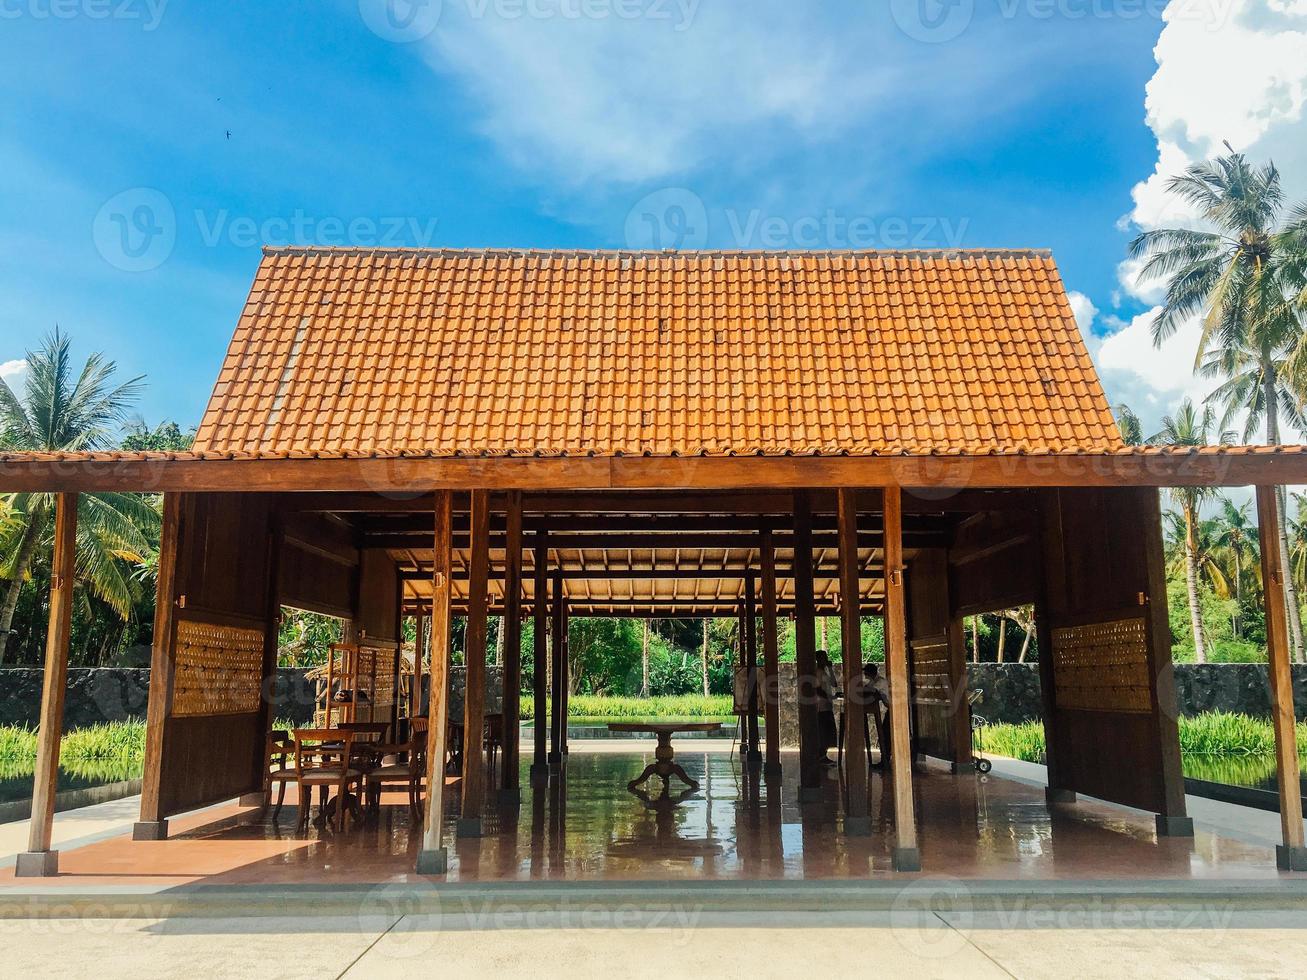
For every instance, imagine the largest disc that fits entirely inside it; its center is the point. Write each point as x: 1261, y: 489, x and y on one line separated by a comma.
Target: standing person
x: 876, y: 697
x: 827, y: 690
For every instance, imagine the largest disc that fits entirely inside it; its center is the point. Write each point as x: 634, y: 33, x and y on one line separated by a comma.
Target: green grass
x: 588, y: 707
x: 116, y: 741
x: 1215, y: 734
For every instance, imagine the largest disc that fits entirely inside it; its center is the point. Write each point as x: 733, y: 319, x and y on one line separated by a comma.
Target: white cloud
x: 1084, y: 310
x: 636, y: 98
x: 1239, y: 74
x: 11, y: 372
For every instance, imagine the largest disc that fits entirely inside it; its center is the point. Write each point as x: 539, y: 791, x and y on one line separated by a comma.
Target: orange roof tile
x: 501, y: 352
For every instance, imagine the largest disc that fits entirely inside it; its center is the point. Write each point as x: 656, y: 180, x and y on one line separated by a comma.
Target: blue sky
x: 148, y: 146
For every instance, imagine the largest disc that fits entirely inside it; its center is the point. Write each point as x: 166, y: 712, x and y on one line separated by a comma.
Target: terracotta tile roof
x: 449, y: 353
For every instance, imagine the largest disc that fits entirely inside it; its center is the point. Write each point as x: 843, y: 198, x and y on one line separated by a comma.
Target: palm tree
x: 58, y: 414
x: 1244, y: 279
x: 1188, y: 428
x: 1298, y: 541
x: 1132, y: 432
x: 1235, y: 538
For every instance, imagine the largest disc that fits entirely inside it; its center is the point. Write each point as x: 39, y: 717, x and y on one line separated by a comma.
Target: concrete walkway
x: 578, y: 945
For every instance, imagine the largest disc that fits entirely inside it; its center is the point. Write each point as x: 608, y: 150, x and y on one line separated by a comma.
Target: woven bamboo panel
x: 383, y: 693
x: 219, y: 670
x: 1103, y: 667
x: 932, y: 681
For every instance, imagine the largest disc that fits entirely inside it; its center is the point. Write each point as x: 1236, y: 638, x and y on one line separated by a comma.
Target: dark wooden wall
x: 1105, y: 657
x: 941, y: 719
x: 319, y: 566
x: 222, y: 640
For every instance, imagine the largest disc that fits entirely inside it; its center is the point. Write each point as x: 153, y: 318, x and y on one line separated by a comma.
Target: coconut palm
x: 1244, y: 278
x: 60, y: 414
x: 1132, y: 432
x: 1190, y: 428
x: 1234, y: 535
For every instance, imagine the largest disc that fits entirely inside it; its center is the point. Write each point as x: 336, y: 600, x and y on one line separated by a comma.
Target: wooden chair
x: 411, y: 772
x: 322, y: 759
x: 369, y: 736
x: 278, y: 768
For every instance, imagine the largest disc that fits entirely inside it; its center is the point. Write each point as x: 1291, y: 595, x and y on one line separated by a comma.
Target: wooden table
x: 664, y: 760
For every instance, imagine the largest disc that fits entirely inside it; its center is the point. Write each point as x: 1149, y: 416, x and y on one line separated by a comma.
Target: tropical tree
x: 1189, y: 428
x: 1244, y: 279
x: 1132, y: 431
x: 58, y: 413
x: 1235, y: 539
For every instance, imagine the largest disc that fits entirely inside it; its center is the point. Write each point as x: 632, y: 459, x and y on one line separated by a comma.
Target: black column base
x: 1174, y: 826
x: 1054, y: 795
x: 37, y: 864
x: 510, y: 796
x: 755, y: 760
x: 1290, y: 858
x: 905, y: 859
x: 150, y: 830
x: 772, y: 770
x: 857, y: 826
x: 252, y: 799
x: 433, y: 862
x: 468, y: 827
x: 540, y: 774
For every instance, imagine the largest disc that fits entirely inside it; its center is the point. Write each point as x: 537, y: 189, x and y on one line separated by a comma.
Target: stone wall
x: 101, y: 694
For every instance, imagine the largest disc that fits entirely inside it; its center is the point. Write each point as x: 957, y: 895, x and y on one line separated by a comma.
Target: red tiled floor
x: 589, y: 827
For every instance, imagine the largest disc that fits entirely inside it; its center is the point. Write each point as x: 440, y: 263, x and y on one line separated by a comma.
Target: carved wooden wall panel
x: 1103, y: 666
x: 219, y: 670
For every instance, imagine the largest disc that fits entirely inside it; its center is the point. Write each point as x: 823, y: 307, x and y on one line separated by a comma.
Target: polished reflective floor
x: 586, y: 825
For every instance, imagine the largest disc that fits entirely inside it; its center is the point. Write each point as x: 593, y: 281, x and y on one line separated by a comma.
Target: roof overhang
x: 1153, y: 467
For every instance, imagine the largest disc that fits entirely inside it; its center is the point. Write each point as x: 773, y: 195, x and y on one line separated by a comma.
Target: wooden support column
x: 856, y: 818
x: 433, y: 859
x: 557, y: 725
x: 566, y: 663
x: 153, y: 825
x: 474, y: 693
x: 751, y: 667
x: 770, y: 658
x: 906, y: 857
x: 512, y: 669
x: 742, y: 666
x: 540, y: 668
x: 805, y: 654
x: 419, y: 655
x: 39, y: 860
x: 1292, y: 854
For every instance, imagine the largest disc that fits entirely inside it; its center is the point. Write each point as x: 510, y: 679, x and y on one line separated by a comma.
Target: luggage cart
x: 978, y: 723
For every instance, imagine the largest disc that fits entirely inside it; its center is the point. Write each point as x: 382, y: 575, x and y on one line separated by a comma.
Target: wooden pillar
x: 540, y: 669
x: 960, y: 728
x: 742, y: 666
x: 751, y: 667
x: 566, y: 664
x: 1292, y: 854
x: 474, y: 693
x: 512, y: 667
x: 152, y: 824
x: 557, y: 726
x: 906, y: 857
x: 39, y: 860
x: 770, y: 658
x: 419, y: 655
x: 810, y: 753
x: 433, y: 859
x: 856, y: 819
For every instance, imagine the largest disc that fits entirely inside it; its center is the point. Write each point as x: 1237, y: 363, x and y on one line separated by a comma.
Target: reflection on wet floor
x: 586, y: 825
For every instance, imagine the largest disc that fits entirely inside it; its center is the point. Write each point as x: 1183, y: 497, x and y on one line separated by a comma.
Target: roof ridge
x: 653, y: 253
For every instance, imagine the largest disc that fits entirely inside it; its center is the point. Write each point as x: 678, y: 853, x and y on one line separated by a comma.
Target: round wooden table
x: 664, y: 763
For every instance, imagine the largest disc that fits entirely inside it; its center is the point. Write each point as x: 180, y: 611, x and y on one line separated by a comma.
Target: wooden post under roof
x: 770, y: 658
x: 906, y: 857
x: 751, y: 668
x: 565, y: 689
x: 39, y: 860
x: 856, y: 819
x: 1292, y: 854
x: 434, y: 858
x: 152, y: 825
x: 419, y: 655
x: 556, y: 724
x: 805, y: 654
x: 539, y: 668
x: 474, y: 689
x: 742, y: 667
x: 512, y: 667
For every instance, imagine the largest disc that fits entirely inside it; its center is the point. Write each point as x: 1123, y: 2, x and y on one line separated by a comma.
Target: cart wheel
x: 983, y: 766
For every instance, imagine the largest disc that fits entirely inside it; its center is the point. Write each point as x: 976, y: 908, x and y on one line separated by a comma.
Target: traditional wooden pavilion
x: 918, y: 435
